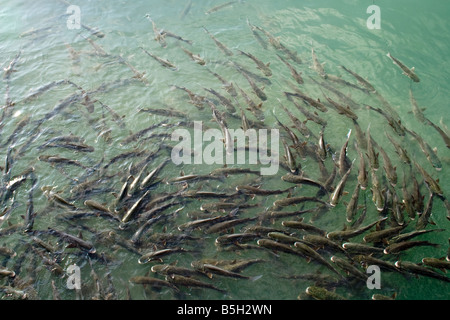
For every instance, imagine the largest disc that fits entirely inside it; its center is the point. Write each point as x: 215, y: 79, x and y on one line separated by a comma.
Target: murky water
x: 100, y: 84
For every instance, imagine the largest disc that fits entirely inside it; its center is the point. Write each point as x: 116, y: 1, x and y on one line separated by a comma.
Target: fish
x: 397, y: 209
x: 211, y: 269
x: 220, y: 6
x: 343, y: 162
x: 152, y: 282
x: 163, y: 62
x: 360, y: 79
x: 352, y: 205
x: 346, y: 111
x: 186, y: 10
x: 445, y: 137
x: 168, y: 269
x: 398, y: 247
x: 134, y: 208
x: 394, y: 122
x: 180, y: 280
x: 347, y: 234
x: 402, y: 153
x: 10, y: 68
x: 339, y: 190
x: 219, y: 44
x: 93, y: 31
x: 97, y: 48
x: 224, y: 100
x: 73, y: 240
x: 294, y: 73
x: 384, y: 234
x: 312, y: 254
x: 274, y: 41
x: 414, y: 268
x: 389, y: 169
x: 233, y: 238
x: 432, y: 184
x: 299, y: 224
x: 264, y: 67
x: 317, y: 66
x: 297, y: 179
x: 254, y: 108
x: 158, y: 34
x: 355, y: 248
x: 250, y: 190
x: 309, y: 115
x: 166, y: 33
x: 283, y: 238
x: 157, y: 254
x: 349, y: 268
x: 224, y: 225
x: 363, y: 178
x: 412, y: 234
x: 436, y: 263
x: 292, y: 164
x: 416, y: 110
x: 257, y: 90
x: 296, y: 200
x: 225, y: 171
x: 371, y: 155
x: 406, y: 71
x: 256, y: 34
x: 228, y: 85
x: 152, y: 174
x: 312, y: 102
x: 343, y: 82
x: 320, y: 293
x: 277, y: 246
x: 322, y: 241
x: 199, y: 60
x: 55, y: 159
x: 425, y: 216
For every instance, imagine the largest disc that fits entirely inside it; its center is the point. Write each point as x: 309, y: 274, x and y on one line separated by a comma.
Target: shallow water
x: 412, y: 31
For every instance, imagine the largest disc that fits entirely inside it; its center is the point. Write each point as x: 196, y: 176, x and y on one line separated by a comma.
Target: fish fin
x: 71, y: 245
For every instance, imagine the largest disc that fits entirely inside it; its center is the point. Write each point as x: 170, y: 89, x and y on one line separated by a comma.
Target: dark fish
x: 219, y: 44
x: 360, y: 79
x: 73, y: 240
x: 257, y: 90
x: 402, y: 153
x: 312, y: 254
x: 406, y: 71
x: 349, y: 268
x: 296, y: 200
x: 339, y: 190
x: 299, y: 224
x: 180, y: 280
x: 264, y: 67
x: 220, y: 6
x: 194, y: 57
x: 163, y: 62
x: 398, y: 247
x: 314, y: 103
x: 384, y: 234
x: 294, y: 73
x: 320, y: 293
x: 152, y: 282
x: 257, y: 35
x: 157, y: 254
x: 420, y: 270
x: 350, y: 233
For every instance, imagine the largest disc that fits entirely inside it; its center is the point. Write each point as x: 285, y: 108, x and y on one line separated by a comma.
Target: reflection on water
x: 88, y: 177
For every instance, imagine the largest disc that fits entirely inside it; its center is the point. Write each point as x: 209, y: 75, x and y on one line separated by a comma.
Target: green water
x: 415, y: 32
